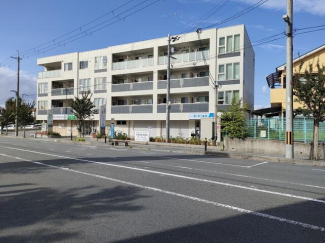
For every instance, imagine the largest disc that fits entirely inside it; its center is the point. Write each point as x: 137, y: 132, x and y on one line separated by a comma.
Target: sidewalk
x: 193, y: 149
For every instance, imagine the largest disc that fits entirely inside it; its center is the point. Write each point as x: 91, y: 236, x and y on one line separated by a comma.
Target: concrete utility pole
x: 288, y: 18
x: 168, y: 104
x: 17, y: 94
x: 168, y: 93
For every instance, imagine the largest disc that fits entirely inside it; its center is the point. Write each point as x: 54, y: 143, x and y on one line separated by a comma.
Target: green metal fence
x: 274, y: 128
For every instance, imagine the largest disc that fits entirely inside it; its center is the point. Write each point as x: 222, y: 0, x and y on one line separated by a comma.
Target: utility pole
x: 168, y: 93
x: 288, y: 18
x: 17, y: 93
x: 216, y: 86
x: 168, y: 104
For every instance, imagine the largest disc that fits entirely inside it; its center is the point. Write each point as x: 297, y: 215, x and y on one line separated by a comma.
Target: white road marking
x: 118, y: 149
x: 319, y: 169
x: 87, y: 146
x: 237, y: 175
x: 88, y: 154
x: 52, y: 149
x: 68, y: 151
x: 209, y: 162
x: 257, y: 164
x: 178, y: 176
x: 241, y: 210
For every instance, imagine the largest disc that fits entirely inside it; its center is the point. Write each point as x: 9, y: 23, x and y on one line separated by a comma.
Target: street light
x: 303, y: 80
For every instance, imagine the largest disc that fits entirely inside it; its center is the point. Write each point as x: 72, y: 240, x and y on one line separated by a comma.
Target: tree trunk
x: 316, y: 135
x: 24, y: 132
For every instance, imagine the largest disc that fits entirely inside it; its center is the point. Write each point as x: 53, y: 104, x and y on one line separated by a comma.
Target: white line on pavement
x: 319, y: 169
x: 177, y: 176
x: 237, y: 175
x: 208, y: 162
x: 241, y: 210
x: 257, y: 164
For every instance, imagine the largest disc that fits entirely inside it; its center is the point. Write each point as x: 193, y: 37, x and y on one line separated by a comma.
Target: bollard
x: 205, y: 145
x: 71, y: 134
x: 105, y: 138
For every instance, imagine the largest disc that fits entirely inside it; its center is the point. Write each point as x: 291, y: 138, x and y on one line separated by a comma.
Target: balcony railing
x: 146, y: 62
x: 62, y: 91
x: 127, y: 109
x: 50, y: 74
x: 185, y: 57
x: 62, y: 110
x: 184, y: 108
x: 132, y: 86
x: 42, y: 112
x: 184, y: 83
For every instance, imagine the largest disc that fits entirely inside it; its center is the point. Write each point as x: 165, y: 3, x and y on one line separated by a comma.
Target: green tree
x: 25, y: 114
x: 233, y: 121
x: 309, y: 89
x: 8, y: 116
x: 82, y: 109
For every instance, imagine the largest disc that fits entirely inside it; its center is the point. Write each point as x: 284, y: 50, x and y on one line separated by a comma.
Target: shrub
x: 54, y: 134
x: 79, y: 139
x: 99, y: 136
x: 120, y: 135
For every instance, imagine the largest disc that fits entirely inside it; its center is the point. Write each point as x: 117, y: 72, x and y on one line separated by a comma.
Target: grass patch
x: 79, y: 139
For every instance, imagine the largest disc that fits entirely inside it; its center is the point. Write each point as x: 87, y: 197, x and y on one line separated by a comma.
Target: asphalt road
x: 61, y: 192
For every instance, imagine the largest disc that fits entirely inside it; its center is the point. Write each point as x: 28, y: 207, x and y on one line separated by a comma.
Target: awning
x: 272, y: 79
x: 271, y: 111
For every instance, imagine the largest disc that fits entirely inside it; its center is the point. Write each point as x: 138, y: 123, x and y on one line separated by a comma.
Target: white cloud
x: 260, y: 27
x: 264, y: 89
x: 315, y: 7
x: 8, y: 81
x: 273, y: 47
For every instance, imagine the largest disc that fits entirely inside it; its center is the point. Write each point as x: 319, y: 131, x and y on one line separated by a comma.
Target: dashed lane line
x: 196, y: 199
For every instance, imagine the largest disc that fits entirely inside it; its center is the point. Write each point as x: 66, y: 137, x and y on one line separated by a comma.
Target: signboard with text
x: 64, y: 117
x: 49, y: 118
x: 141, y: 136
x: 197, y: 116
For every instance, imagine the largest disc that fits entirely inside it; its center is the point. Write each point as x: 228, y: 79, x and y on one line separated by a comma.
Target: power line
x: 245, y: 11
x: 86, y: 32
x: 80, y: 27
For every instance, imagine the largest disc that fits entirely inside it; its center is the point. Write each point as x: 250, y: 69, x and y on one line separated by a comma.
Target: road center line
x: 241, y: 210
x: 319, y: 170
x: 237, y: 175
x: 178, y: 176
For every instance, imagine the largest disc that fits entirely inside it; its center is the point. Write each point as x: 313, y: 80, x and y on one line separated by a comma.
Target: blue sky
x: 27, y: 24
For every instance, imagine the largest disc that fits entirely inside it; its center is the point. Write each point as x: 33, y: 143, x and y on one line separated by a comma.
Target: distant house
x: 277, y: 81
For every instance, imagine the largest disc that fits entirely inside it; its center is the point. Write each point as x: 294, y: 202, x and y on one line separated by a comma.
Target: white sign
x: 194, y: 116
x: 141, y: 136
x: 263, y: 134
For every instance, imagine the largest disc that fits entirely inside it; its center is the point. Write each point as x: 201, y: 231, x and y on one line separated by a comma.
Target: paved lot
x: 60, y: 192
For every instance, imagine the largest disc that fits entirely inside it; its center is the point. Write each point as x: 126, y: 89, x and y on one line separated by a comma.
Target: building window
x: 42, y: 105
x: 98, y: 102
x: 225, y: 97
x: 229, y: 44
x: 83, y: 64
x: 100, y: 83
x: 185, y: 75
x: 68, y: 66
x: 184, y: 100
x: 149, y: 101
x: 232, y: 71
x: 232, y: 45
x: 84, y: 84
x: 221, y: 99
x: 221, y: 75
x: 100, y: 62
x: 236, y: 71
x: 236, y: 43
x: 229, y: 71
x: 204, y: 74
x: 121, y: 122
x: 222, y: 45
x: 201, y: 99
x: 42, y: 88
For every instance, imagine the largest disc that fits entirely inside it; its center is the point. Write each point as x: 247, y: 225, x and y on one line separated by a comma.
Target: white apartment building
x: 131, y: 80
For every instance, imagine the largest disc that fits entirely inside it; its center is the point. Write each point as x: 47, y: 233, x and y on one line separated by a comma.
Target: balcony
x: 62, y: 91
x: 184, y: 83
x: 146, y: 62
x: 42, y: 112
x: 132, y: 86
x: 49, y: 74
x: 184, y: 108
x: 62, y: 110
x: 185, y: 57
x: 127, y: 109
